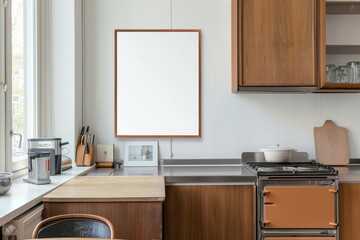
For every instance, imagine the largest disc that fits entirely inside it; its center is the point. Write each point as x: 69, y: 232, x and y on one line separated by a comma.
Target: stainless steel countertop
x: 349, y: 173
x: 195, y: 172
x: 232, y: 174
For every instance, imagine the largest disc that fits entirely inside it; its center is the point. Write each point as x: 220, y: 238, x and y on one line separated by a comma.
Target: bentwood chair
x: 75, y: 226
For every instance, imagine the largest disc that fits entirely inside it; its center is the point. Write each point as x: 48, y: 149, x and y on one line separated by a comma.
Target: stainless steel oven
x: 296, y: 202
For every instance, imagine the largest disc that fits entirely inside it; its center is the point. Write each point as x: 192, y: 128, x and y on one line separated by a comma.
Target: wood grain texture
x: 279, y: 43
x: 131, y: 220
x: 349, y: 211
x: 331, y: 144
x: 104, y: 164
x: 321, y: 44
x: 210, y: 212
x: 109, y: 188
x: 235, y: 43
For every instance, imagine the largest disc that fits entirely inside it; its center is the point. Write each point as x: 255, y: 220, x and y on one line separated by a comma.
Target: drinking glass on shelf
x: 342, y: 75
x: 330, y: 73
x: 354, y: 72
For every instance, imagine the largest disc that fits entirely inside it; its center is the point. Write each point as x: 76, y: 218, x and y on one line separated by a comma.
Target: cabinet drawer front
x: 299, y: 207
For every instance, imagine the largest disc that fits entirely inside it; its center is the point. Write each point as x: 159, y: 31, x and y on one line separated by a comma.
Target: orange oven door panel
x: 299, y: 207
x: 300, y: 238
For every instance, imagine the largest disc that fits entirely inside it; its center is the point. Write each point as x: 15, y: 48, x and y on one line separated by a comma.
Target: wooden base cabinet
x: 134, y: 204
x: 131, y: 220
x: 210, y: 212
x: 349, y: 211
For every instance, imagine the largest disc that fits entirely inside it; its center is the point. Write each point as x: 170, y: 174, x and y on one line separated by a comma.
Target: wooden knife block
x: 85, y: 159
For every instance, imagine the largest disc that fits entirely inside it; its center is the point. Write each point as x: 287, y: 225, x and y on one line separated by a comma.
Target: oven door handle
x: 269, y: 203
x: 265, y: 222
x: 266, y: 192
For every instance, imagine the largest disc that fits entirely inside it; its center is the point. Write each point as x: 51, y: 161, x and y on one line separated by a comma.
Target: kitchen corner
x: 23, y: 196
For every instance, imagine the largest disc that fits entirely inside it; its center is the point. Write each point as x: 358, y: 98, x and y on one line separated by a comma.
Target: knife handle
x: 92, y: 139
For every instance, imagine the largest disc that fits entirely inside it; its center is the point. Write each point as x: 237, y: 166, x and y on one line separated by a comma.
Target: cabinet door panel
x: 210, y: 212
x: 131, y: 220
x: 349, y: 211
x: 300, y: 238
x: 278, y: 42
x: 299, y: 207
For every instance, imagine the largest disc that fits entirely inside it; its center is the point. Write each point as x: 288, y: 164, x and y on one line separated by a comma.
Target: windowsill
x: 23, y: 196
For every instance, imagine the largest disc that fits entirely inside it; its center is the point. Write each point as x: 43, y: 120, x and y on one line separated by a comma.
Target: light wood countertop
x: 110, y: 189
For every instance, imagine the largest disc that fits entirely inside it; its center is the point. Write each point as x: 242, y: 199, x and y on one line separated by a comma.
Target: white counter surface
x: 23, y: 196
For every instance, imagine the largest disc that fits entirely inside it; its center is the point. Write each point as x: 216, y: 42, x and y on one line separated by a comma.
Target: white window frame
x: 30, y: 50
x: 18, y: 167
x: 2, y: 88
x: 6, y: 5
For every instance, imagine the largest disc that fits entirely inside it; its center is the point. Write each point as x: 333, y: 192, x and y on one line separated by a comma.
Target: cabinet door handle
x: 266, y: 222
x: 332, y: 190
x: 266, y: 191
x: 333, y: 224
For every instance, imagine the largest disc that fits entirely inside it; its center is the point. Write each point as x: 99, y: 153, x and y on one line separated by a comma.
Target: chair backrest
x: 75, y: 226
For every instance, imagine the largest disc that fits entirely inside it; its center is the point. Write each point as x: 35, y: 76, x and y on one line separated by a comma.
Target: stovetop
x: 290, y: 168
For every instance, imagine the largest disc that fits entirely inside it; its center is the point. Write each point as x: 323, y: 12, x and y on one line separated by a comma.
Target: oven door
x: 299, y: 238
x: 299, y: 207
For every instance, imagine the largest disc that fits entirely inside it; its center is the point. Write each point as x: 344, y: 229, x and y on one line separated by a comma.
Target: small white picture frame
x: 141, y: 154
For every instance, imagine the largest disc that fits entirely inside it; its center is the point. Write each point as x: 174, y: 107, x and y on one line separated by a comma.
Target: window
x: 2, y: 88
x: 20, y: 62
x: 22, y: 78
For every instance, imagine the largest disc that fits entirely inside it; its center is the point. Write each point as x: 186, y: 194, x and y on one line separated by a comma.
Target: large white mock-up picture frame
x: 157, y: 83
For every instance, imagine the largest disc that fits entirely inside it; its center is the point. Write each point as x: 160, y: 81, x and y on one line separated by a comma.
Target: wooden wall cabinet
x: 210, y: 212
x: 285, y: 45
x: 275, y: 44
x: 349, y: 211
x: 340, y: 43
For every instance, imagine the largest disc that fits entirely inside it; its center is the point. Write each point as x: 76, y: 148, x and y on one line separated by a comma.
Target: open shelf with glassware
x: 342, y: 46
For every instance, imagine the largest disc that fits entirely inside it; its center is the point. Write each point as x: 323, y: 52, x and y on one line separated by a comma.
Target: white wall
x: 66, y: 81
x: 231, y: 123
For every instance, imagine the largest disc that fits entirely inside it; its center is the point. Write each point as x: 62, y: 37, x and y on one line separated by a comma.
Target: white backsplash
x: 231, y: 123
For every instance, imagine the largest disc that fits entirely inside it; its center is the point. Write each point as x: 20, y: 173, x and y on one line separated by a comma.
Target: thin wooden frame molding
x: 157, y: 83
